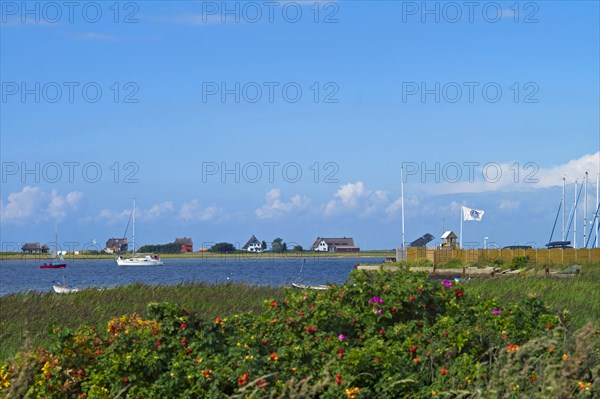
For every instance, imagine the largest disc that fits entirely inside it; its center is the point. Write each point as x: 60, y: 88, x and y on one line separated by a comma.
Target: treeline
x: 278, y: 246
x: 170, y: 248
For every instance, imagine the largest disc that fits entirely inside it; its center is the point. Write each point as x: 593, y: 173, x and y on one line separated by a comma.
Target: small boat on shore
x: 310, y: 287
x: 63, y: 288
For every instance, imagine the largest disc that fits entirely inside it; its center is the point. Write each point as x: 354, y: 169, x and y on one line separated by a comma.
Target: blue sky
x: 293, y: 119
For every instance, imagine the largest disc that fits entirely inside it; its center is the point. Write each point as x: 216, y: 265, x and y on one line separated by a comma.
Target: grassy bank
x: 573, y: 293
x: 35, y: 314
x: 384, y: 335
x: 579, y: 295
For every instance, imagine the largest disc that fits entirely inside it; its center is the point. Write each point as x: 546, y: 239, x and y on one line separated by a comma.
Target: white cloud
x: 357, y: 197
x: 60, y: 205
x: 155, y: 211
x: 572, y: 170
x: 34, y: 204
x: 192, y: 211
x: 396, y: 206
x: 508, y: 205
x: 111, y: 216
x: 276, y: 207
x: 458, y: 178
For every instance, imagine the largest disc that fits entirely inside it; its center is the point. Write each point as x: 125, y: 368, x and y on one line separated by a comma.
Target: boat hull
x: 145, y: 261
x: 59, y: 266
x: 59, y: 289
x: 310, y: 287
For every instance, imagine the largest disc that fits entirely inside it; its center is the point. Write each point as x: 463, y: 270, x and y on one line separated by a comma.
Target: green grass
x: 579, y: 295
x: 35, y: 314
x: 38, y: 313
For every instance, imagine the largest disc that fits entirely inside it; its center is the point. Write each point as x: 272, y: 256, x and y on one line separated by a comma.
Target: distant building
x: 343, y: 244
x: 186, y: 244
x: 116, y: 245
x: 422, y: 241
x: 449, y: 240
x: 34, y: 248
x: 253, y: 245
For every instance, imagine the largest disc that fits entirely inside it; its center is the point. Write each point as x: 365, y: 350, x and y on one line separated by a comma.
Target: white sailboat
x: 55, y: 262
x: 140, y: 259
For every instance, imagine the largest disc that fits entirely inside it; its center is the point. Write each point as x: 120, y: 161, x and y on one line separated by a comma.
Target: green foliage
x: 497, y: 262
x: 452, y: 264
x: 519, y: 262
x: 298, y: 248
x: 223, y: 248
x: 170, y: 248
x: 32, y: 314
x: 384, y: 335
x: 278, y: 245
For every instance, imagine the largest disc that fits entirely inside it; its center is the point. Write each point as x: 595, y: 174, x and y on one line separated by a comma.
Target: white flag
x: 471, y: 214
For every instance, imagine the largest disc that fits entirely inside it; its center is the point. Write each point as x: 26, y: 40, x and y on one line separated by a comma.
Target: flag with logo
x: 472, y: 214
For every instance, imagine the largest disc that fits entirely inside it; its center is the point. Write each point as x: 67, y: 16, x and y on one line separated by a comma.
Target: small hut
x: 449, y: 240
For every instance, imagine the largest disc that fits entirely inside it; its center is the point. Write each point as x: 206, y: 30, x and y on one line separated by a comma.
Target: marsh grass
x: 35, y: 315
x: 577, y: 295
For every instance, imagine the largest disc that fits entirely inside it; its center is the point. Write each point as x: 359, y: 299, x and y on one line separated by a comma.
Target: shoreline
x: 204, y: 255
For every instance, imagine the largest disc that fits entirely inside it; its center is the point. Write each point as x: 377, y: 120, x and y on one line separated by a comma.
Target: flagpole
x: 402, y: 196
x: 462, y: 211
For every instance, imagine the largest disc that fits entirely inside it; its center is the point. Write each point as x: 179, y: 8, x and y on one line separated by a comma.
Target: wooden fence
x: 540, y: 256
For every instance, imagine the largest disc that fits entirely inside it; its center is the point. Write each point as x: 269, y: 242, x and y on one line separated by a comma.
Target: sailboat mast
x: 55, y: 241
x: 575, y: 217
x: 585, y: 209
x: 402, y: 196
x: 597, y: 216
x: 133, y: 228
x: 563, y: 210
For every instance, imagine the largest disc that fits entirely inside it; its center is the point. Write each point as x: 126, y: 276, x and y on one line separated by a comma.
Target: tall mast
x: 133, y: 228
x: 597, y: 216
x: 55, y: 241
x: 563, y: 210
x: 402, y: 197
x: 585, y: 210
x: 575, y: 217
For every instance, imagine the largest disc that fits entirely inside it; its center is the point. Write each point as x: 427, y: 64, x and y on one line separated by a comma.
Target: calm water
x: 25, y: 275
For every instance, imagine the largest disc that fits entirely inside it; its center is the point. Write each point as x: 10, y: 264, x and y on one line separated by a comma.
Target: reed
x: 35, y: 315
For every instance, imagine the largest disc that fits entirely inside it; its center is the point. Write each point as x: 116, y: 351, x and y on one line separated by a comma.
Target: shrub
x: 384, y: 335
x: 519, y: 262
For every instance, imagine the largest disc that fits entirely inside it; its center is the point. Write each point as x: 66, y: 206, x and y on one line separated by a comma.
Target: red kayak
x: 53, y: 265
